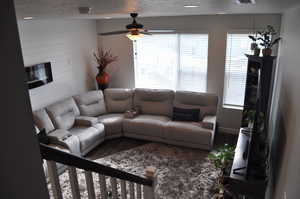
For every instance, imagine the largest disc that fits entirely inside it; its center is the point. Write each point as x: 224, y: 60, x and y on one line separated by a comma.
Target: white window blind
x: 171, y: 61
x: 236, y: 69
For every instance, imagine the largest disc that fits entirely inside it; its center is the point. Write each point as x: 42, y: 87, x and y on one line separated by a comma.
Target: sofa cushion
x: 91, y: 103
x: 188, y: 132
x: 207, y: 103
x: 63, y: 113
x: 88, y: 135
x: 154, y: 101
x: 113, y: 123
x: 118, y: 100
x: 42, y: 120
x: 149, y: 125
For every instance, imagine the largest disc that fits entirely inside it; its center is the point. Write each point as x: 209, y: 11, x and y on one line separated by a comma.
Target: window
x: 171, y: 61
x: 236, y: 69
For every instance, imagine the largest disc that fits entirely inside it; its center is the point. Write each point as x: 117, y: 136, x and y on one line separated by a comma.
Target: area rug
x: 182, y: 173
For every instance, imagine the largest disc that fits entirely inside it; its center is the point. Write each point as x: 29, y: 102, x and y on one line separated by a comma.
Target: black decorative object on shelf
x: 252, y: 156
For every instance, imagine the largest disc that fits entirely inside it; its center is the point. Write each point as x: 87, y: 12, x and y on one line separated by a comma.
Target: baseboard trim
x: 228, y: 130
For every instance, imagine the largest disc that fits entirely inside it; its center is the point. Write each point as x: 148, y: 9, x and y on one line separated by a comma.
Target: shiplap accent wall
x: 68, y: 45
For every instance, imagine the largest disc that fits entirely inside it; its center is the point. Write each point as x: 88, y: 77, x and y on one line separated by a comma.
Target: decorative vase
x: 256, y: 52
x: 267, y: 52
x: 102, y: 79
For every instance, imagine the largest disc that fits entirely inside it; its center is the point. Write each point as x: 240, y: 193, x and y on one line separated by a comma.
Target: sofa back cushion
x: 207, y: 103
x: 42, y: 120
x: 63, y: 113
x: 91, y: 103
x: 118, y: 100
x: 154, y: 101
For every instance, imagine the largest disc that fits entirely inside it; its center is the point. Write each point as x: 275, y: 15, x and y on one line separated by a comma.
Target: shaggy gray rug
x: 182, y: 173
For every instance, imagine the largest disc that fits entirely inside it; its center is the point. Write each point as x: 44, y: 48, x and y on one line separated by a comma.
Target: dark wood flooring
x: 109, y: 147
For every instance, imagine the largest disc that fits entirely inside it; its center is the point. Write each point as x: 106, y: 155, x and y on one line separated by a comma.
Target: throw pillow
x: 181, y: 114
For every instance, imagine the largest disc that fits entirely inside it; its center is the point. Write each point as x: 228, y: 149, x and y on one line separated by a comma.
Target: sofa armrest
x: 66, y: 140
x: 209, y: 122
x: 85, y: 121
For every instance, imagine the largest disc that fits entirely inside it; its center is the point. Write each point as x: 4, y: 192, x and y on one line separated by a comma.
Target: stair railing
x: 138, y: 187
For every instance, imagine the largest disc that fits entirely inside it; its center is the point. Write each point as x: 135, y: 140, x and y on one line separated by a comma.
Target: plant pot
x: 267, y: 52
x: 102, y: 79
x: 256, y: 52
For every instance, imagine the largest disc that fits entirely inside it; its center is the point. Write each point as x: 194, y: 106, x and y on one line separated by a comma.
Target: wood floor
x: 109, y: 147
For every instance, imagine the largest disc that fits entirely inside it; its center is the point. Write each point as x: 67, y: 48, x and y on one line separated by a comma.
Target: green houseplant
x: 254, y: 45
x: 267, y: 39
x: 222, y: 160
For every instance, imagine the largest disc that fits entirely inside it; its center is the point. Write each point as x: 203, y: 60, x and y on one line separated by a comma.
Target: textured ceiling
x: 121, y: 8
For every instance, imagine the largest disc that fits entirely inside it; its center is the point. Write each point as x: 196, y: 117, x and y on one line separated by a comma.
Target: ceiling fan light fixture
x: 28, y: 18
x: 134, y: 37
x: 191, y: 6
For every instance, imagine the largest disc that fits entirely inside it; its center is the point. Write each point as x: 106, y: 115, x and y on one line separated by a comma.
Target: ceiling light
x: 134, y: 37
x: 245, y: 1
x: 221, y: 13
x: 85, y: 10
x: 190, y: 6
x: 107, y: 17
x: 28, y: 18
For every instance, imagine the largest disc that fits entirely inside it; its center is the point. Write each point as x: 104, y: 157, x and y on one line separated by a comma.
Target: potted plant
x: 103, y: 58
x: 254, y: 45
x: 268, y: 40
x: 222, y: 160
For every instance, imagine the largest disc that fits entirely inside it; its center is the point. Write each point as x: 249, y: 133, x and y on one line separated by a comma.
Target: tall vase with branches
x: 103, y: 58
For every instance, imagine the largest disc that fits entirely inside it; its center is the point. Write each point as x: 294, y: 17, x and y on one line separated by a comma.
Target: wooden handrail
x: 50, y: 153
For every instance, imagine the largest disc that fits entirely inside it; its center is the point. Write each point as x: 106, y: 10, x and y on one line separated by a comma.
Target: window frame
x: 233, y: 31
x: 177, y: 32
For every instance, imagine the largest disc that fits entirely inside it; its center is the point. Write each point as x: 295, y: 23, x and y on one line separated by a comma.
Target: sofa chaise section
x: 194, y: 134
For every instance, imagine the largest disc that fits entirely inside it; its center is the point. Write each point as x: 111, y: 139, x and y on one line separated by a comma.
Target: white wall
x: 285, y: 120
x: 68, y: 45
x: 122, y: 72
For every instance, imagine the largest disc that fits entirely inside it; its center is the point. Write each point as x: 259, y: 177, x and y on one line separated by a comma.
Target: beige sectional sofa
x: 81, y: 122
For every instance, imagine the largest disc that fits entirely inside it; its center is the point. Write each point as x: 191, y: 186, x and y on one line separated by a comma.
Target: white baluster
x: 103, y: 189
x: 123, y: 189
x: 138, y: 191
x: 148, y: 191
x: 131, y: 190
x: 74, y: 183
x: 54, y: 179
x: 90, y: 184
x: 113, y: 182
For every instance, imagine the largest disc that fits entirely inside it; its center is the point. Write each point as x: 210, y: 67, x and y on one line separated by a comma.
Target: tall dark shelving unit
x: 249, y: 173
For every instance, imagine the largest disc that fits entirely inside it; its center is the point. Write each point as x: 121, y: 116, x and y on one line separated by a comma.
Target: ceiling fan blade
x: 145, y: 33
x: 113, y: 33
x: 160, y: 30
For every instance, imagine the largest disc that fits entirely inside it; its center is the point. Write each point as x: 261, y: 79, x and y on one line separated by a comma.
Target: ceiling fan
x: 134, y: 30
